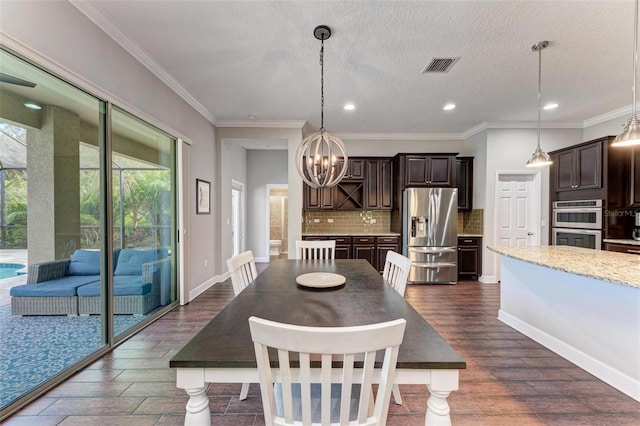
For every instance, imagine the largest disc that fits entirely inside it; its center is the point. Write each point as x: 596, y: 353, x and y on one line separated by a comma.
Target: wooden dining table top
x: 365, y: 298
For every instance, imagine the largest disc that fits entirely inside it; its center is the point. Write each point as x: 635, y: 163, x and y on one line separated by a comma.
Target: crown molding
x: 402, y: 136
x: 271, y: 124
x: 611, y: 115
x: 40, y: 60
x: 531, y: 125
x: 96, y: 15
x: 475, y: 130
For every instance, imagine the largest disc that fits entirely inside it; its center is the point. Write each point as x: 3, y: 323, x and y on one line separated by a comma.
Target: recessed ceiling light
x: 550, y: 105
x: 32, y: 105
x: 449, y: 107
x: 349, y: 107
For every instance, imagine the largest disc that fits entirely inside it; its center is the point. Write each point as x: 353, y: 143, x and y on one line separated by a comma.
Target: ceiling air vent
x: 440, y: 65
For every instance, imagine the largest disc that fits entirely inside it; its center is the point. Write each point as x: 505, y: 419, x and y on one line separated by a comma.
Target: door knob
x: 529, y: 233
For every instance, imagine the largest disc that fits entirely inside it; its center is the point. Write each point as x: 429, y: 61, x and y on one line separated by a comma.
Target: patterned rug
x: 34, y: 349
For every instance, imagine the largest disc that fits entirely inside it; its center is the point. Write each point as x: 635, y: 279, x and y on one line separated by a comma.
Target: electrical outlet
x: 373, y: 220
x: 329, y: 220
x: 205, y: 262
x: 316, y: 220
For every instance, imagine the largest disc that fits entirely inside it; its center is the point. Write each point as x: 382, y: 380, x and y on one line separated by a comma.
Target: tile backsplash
x: 471, y: 222
x: 345, y: 221
x: 374, y: 221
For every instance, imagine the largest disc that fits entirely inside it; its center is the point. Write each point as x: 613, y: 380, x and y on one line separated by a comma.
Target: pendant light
x: 539, y: 157
x: 321, y: 159
x: 631, y: 133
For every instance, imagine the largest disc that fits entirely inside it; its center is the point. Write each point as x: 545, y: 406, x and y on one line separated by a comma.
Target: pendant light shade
x: 539, y: 157
x: 321, y: 159
x: 631, y: 133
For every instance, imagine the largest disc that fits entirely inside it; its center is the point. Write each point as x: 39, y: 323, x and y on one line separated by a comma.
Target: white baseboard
x: 488, y: 279
x: 604, y: 372
x: 261, y: 259
x: 207, y: 285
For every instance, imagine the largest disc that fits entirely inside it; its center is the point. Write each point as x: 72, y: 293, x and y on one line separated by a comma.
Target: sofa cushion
x: 130, y: 261
x: 125, y: 285
x: 85, y: 262
x: 66, y: 286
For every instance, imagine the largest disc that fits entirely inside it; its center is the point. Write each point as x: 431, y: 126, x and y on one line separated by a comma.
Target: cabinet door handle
x: 468, y: 241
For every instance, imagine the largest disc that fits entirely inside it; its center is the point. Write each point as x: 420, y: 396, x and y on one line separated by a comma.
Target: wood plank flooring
x: 510, y: 379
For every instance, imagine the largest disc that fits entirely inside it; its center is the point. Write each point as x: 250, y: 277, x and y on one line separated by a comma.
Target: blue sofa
x: 72, y: 286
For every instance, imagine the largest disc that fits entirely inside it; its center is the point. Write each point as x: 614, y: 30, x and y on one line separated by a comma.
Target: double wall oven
x: 577, y: 223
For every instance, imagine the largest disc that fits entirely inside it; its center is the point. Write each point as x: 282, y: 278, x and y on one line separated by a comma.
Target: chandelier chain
x: 322, y: 85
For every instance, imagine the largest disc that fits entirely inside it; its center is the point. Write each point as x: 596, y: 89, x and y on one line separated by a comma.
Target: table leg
x: 198, y: 413
x: 442, y: 383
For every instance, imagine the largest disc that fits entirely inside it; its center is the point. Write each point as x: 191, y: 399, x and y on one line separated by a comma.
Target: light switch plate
x: 329, y: 220
x: 316, y: 220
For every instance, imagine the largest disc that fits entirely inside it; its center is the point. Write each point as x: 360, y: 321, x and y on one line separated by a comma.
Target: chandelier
x: 630, y: 135
x: 321, y: 159
x: 539, y: 157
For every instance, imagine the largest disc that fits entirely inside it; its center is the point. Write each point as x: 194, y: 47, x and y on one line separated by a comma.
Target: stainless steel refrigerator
x: 430, y: 234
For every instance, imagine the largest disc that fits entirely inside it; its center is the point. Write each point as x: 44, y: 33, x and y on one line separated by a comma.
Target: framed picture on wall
x: 203, y: 197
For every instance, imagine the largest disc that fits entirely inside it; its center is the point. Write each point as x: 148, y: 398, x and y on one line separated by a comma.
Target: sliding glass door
x: 87, y: 227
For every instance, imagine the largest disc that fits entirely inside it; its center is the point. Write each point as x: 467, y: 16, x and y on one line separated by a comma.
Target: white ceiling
x: 233, y: 59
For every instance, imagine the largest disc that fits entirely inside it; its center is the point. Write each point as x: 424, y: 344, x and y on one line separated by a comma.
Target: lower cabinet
x: 469, y: 257
x: 371, y: 248
x: 622, y: 248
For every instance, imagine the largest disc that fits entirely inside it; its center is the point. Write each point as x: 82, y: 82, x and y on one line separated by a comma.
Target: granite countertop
x: 628, y: 242
x: 350, y: 234
x: 470, y: 235
x: 619, y: 268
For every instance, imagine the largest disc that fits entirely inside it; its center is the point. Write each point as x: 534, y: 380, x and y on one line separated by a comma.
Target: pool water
x: 8, y: 270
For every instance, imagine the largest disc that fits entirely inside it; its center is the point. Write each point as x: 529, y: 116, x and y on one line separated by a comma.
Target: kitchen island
x: 582, y: 304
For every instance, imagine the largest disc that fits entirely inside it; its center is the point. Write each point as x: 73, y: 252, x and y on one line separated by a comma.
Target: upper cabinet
x: 367, y: 185
x: 579, y: 167
x: 634, y: 193
x: 464, y: 182
x: 428, y: 170
x: 379, y: 184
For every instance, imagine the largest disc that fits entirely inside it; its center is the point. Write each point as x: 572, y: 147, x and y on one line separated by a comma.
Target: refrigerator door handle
x: 434, y: 264
x: 413, y: 226
x: 432, y: 250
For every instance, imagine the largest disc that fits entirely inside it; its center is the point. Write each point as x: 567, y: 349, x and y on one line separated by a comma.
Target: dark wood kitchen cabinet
x: 469, y: 257
x: 622, y: 248
x: 579, y: 167
x: 429, y: 170
x: 383, y: 246
x: 317, y: 198
x: 464, y: 183
x: 365, y: 248
x: 379, y: 184
x: 634, y: 193
x: 355, y: 169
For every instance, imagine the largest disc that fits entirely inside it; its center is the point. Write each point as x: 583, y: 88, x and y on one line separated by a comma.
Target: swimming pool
x: 8, y: 270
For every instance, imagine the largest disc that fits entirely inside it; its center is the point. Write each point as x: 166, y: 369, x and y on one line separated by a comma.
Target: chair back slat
x: 396, y: 271
x: 315, y: 250
x: 242, y: 269
x: 347, y: 358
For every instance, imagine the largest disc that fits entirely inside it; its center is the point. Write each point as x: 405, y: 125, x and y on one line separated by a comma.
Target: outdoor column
x: 53, y: 186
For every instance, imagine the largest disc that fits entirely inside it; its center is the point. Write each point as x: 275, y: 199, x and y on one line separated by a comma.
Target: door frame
x: 271, y: 186
x: 239, y: 186
x: 536, y: 187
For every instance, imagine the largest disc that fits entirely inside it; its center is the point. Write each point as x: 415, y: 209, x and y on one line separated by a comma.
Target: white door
x: 517, y: 211
x: 237, y: 217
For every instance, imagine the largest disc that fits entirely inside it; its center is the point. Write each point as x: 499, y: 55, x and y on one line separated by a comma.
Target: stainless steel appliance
x: 577, y: 223
x: 430, y: 234
x: 583, y: 214
x: 636, y: 228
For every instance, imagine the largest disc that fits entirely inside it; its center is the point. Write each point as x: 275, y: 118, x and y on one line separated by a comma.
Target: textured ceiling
x: 236, y: 59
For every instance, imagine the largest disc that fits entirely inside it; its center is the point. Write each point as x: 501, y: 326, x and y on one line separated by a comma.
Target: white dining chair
x: 242, y: 269
x: 324, y: 249
x: 316, y: 348
x: 395, y: 273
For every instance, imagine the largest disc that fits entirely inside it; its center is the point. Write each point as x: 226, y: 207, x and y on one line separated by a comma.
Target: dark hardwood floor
x: 510, y: 379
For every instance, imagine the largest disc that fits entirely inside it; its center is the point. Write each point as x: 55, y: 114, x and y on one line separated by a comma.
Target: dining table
x: 223, y: 352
